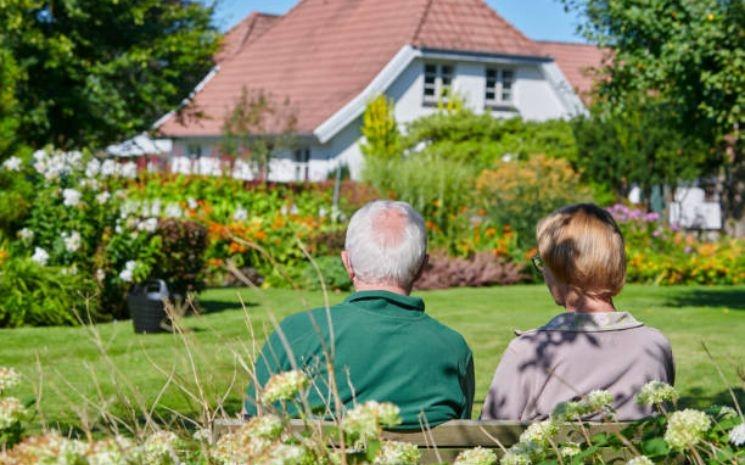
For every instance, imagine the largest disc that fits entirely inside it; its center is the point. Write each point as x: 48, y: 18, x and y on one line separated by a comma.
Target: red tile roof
x: 323, y: 53
x: 248, y: 29
x: 577, y: 62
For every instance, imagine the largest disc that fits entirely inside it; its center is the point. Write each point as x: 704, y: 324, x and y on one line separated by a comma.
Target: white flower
x: 12, y: 164
x: 655, y: 393
x: 158, y: 447
x: 71, y: 197
x: 103, y: 197
x: 364, y: 421
x: 129, y: 170
x: 128, y: 208
x: 109, y: 168
x: 26, y: 235
x: 151, y: 210
x: 513, y: 458
x: 11, y: 412
x: 90, y: 183
x: 287, y: 454
x: 9, y: 378
x: 72, y: 241
x: 100, y: 275
x: 727, y: 412
x: 149, y: 225
x: 241, y: 214
x: 202, y: 435
x: 127, y: 274
x: 40, y: 256
x: 192, y: 203
x: 294, y: 210
x: 570, y: 450
x: 641, y: 460
x: 322, y: 213
x: 477, y: 456
x: 737, y: 435
x: 111, y: 451
x: 540, y: 433
x: 686, y: 427
x: 284, y: 386
x: 92, y: 168
x: 599, y: 400
x: 397, y: 453
x: 173, y: 210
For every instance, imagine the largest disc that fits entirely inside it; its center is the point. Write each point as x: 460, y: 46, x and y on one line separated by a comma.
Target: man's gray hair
x: 386, y: 243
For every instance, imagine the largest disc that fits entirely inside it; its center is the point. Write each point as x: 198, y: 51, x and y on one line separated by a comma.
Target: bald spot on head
x: 389, y: 227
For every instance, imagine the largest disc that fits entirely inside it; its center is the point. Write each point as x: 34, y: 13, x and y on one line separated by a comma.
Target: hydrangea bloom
x: 686, y: 427
x: 129, y: 170
x: 173, y: 210
x: 159, y: 447
x: 149, y: 225
x: 92, y: 168
x: 109, y: 168
x: 40, y: 256
x: 26, y: 235
x: 284, y: 386
x: 9, y: 378
x: 737, y: 435
x: 112, y: 451
x: 540, y: 433
x: 599, y: 400
x: 11, y: 412
x: 514, y: 458
x: 265, y: 426
x: 364, y: 422
x: 127, y: 274
x: 72, y: 241
x: 397, y: 453
x: 570, y: 450
x: 476, y: 456
x: 641, y: 460
x: 12, y: 164
x: 103, y: 197
x: 241, y: 214
x: 71, y: 197
x: 655, y: 393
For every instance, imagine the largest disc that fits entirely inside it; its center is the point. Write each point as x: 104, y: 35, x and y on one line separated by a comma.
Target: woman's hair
x: 583, y: 248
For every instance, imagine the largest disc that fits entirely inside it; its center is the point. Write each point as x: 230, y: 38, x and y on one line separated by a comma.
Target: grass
x: 72, y: 375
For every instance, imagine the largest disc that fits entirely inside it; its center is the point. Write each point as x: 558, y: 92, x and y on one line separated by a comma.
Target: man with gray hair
x: 383, y: 346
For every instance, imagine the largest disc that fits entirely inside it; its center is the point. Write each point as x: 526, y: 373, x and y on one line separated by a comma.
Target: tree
x: 94, y: 71
x: 258, y: 128
x: 380, y: 129
x: 691, y: 56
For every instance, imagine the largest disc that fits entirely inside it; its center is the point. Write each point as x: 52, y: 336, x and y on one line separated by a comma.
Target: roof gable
x: 248, y: 29
x: 578, y: 62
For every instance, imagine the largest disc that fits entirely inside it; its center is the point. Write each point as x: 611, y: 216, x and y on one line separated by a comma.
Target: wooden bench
x: 444, y: 442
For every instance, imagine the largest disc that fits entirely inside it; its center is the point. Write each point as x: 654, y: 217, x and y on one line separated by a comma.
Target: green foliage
x: 639, y: 145
x: 92, y: 71
x: 32, y: 295
x: 331, y: 269
x: 380, y: 130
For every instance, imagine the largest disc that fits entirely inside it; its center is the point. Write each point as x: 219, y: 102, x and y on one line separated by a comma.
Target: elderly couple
x: 386, y: 348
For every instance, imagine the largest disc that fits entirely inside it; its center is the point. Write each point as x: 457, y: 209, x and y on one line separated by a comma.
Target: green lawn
x: 76, y: 370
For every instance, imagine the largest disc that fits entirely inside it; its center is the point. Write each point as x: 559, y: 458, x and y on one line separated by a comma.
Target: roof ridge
x: 422, y: 20
x: 566, y: 42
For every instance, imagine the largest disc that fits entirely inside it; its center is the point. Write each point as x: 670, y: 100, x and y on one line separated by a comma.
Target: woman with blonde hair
x: 591, y: 346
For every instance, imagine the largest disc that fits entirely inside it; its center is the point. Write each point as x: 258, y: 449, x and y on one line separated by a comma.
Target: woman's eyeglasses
x: 537, y: 263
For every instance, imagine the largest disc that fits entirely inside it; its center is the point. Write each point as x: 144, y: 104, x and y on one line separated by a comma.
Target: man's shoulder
x: 313, y: 318
x: 447, y: 334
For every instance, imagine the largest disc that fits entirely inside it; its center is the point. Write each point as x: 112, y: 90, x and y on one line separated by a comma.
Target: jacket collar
x: 376, y: 298
x: 590, y: 322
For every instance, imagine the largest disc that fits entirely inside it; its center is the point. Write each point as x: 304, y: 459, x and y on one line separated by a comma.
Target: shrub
x: 182, y: 261
x: 332, y: 272
x: 520, y: 193
x: 34, y: 295
x: 482, y: 269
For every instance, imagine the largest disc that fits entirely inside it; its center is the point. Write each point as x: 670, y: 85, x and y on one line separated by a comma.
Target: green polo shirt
x: 386, y: 348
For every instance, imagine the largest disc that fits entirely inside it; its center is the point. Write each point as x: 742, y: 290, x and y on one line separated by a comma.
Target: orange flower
x: 3, y: 256
x: 235, y: 248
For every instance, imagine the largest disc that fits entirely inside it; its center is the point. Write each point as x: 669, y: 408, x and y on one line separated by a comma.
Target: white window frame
x: 438, y: 78
x: 194, y: 151
x: 302, y: 164
x: 495, y: 77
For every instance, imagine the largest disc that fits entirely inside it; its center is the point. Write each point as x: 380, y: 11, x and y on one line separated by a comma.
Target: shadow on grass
x: 729, y: 298
x: 216, y: 306
x: 695, y: 398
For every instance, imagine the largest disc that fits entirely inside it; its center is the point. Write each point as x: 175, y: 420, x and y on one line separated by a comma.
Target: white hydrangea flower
x: 540, y: 433
x: 192, y: 203
x: 685, y: 428
x: 264, y: 426
x: 11, y: 412
x: 40, y: 256
x: 92, y: 168
x: 287, y: 454
x: 71, y: 197
x: 599, y: 400
x: 514, y: 458
x: 641, y: 460
x: 397, y: 453
x: 158, y: 447
x: 240, y: 214
x: 72, y: 241
x: 109, y: 168
x: 737, y: 435
x: 727, y: 412
x: 477, y: 456
x: 152, y: 209
x: 111, y: 451
x: 100, y: 275
x: 9, y: 378
x: 655, y: 393
x: 322, y: 212
x: 90, y: 183
x: 173, y: 210
x: 13, y: 164
x: 128, y: 208
x: 26, y: 235
x: 149, y: 225
x: 284, y: 386
x: 570, y: 449
x: 202, y: 435
x: 364, y: 421
x: 103, y: 197
x: 127, y: 274
x: 129, y: 170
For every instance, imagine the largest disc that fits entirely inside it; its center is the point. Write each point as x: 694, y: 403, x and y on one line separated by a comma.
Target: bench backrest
x: 444, y: 442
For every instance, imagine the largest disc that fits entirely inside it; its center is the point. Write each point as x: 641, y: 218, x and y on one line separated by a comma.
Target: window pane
x: 446, y: 80
x: 506, y: 95
x: 508, y: 75
x: 430, y: 69
x: 491, y: 74
x: 447, y: 69
x: 429, y: 79
x: 429, y: 91
x: 507, y: 85
x: 490, y: 95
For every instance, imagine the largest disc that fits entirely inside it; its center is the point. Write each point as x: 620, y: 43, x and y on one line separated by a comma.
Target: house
x: 328, y: 58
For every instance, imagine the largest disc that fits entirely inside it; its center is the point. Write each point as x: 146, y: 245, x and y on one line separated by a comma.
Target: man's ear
x: 347, y: 264
x: 421, y: 268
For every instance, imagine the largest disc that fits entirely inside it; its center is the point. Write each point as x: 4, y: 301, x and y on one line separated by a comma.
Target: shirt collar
x: 376, y: 299
x: 591, y: 322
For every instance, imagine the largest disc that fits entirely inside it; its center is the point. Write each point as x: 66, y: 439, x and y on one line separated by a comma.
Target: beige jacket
x: 572, y: 355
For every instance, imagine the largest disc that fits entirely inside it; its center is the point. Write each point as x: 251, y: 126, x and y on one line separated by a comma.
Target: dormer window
x: 437, y: 81
x: 499, y: 87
